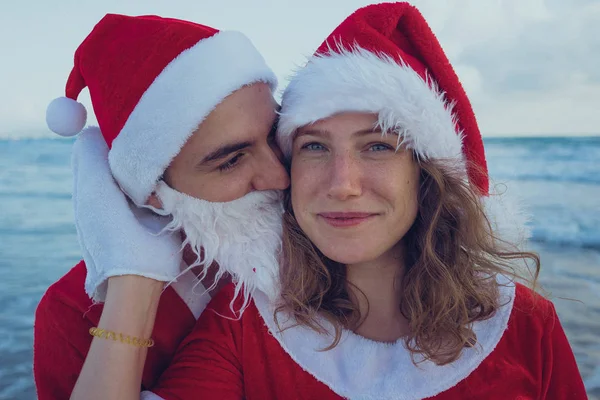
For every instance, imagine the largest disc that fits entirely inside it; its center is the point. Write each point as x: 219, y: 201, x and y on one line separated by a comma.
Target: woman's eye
x: 313, y: 147
x: 231, y: 163
x: 380, y: 147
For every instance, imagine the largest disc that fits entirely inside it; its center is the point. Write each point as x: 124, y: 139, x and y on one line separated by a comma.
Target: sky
x: 530, y: 67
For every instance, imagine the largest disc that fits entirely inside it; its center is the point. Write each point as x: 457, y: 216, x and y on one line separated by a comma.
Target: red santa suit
x: 521, y: 353
x: 152, y: 82
x: 383, y: 59
x: 66, y: 313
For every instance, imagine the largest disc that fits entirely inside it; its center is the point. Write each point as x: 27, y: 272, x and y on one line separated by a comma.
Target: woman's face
x: 353, y: 194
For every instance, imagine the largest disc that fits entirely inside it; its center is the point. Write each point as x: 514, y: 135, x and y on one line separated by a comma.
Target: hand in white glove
x: 116, y: 237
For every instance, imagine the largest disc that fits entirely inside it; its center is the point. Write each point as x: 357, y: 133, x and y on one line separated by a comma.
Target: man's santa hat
x: 152, y: 81
x: 385, y: 59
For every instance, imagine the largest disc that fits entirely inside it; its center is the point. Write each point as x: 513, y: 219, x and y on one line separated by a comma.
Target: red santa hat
x: 152, y: 81
x: 385, y: 59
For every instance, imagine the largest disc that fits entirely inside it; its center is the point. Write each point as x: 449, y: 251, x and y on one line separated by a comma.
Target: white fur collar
x: 359, y: 368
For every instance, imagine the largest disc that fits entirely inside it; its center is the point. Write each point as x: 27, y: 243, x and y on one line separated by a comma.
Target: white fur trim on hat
x: 360, y: 81
x: 178, y: 100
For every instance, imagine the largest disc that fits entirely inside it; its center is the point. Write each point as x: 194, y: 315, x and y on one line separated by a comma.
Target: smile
x: 346, y: 219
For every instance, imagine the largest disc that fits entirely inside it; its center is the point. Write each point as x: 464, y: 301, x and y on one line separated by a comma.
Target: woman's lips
x: 346, y: 219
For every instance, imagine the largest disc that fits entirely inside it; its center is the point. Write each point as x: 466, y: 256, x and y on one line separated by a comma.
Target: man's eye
x: 231, y: 163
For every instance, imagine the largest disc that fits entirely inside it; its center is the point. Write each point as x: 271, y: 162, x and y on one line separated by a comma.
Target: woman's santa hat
x: 385, y: 59
x: 152, y: 81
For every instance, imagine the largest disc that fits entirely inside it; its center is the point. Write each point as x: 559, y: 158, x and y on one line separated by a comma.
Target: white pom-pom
x: 66, y: 116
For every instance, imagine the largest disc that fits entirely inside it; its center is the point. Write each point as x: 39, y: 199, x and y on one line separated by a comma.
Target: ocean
x: 557, y: 178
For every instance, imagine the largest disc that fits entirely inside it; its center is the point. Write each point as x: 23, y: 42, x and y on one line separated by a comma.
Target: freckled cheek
x: 305, y: 174
x: 398, y: 192
x: 305, y: 181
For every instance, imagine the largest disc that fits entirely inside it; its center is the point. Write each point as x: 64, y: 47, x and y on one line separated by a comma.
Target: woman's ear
x: 154, y: 201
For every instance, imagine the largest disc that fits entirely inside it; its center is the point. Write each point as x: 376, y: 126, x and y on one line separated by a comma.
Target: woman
x: 397, y: 283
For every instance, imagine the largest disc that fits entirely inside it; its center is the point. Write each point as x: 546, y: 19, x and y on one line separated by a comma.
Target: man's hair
x: 452, y: 259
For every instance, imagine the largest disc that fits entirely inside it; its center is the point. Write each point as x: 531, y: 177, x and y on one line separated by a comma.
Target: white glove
x: 116, y: 237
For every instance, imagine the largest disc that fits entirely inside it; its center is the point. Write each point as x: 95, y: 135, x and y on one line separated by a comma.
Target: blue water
x: 558, y: 178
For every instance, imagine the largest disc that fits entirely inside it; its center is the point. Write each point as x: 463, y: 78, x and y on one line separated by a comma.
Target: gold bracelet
x: 104, y: 334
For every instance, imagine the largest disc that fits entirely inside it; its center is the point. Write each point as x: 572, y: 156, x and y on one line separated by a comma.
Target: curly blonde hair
x: 452, y: 259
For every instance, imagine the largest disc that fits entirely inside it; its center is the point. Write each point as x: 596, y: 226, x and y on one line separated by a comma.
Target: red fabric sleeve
x: 561, y: 379
x: 59, y: 347
x: 62, y: 340
x: 207, y: 365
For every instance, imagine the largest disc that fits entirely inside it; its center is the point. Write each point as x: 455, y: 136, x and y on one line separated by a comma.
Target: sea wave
x: 53, y: 230
x: 29, y: 134
x: 564, y: 177
x: 35, y: 195
x: 584, y: 243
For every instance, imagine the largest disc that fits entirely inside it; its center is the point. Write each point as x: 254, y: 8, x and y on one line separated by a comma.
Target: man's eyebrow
x: 224, y: 151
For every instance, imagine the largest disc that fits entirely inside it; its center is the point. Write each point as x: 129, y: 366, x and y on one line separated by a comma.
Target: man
x: 185, y: 118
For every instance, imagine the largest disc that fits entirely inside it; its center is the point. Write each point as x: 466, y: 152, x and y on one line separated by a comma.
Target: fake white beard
x: 242, y: 236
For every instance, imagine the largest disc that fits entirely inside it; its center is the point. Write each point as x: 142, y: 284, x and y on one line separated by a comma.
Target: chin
x: 345, y: 254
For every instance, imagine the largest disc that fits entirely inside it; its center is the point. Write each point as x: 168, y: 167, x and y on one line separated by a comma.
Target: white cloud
x: 529, y: 66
